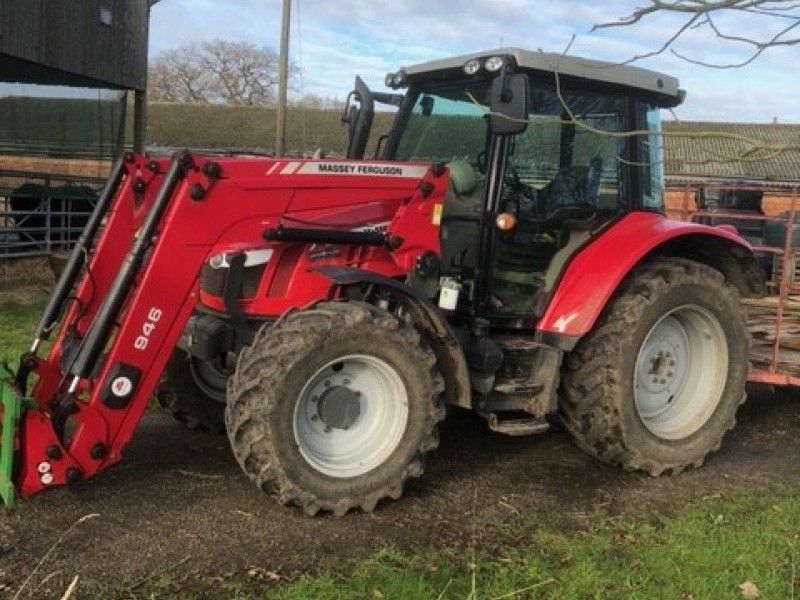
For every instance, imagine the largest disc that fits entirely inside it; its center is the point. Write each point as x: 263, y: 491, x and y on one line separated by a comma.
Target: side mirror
x: 358, y: 119
x: 510, y: 99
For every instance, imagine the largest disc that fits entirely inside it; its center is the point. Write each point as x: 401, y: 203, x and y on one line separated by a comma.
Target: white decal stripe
x: 290, y: 168
x: 355, y: 169
x: 273, y: 167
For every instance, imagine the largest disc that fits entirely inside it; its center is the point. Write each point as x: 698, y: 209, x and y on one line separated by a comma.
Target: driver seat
x: 461, y: 215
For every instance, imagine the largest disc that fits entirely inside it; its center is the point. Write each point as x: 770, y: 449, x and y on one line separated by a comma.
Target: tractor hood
x: 347, y: 192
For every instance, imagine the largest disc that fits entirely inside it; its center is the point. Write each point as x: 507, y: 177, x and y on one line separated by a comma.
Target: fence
x: 44, y: 214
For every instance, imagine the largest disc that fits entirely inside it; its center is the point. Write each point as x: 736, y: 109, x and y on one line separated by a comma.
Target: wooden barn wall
x: 68, y: 35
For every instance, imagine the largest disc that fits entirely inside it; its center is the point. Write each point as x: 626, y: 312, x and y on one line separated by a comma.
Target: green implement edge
x: 13, y: 408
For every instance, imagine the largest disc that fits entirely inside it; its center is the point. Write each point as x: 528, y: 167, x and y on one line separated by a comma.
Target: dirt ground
x: 25, y: 280
x: 179, y: 501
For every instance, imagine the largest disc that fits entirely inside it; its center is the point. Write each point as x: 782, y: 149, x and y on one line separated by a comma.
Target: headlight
x: 472, y: 66
x: 389, y: 81
x: 399, y: 79
x: 494, y: 64
x: 251, y: 258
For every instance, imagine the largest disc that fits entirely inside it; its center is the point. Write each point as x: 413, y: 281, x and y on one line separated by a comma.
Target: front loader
x: 505, y: 252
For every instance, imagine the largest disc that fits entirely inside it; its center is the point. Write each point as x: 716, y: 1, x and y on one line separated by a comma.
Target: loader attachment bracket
x: 12, y: 408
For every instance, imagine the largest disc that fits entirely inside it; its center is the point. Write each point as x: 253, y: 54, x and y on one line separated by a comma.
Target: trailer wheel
x: 333, y: 408
x: 193, y: 392
x: 656, y: 385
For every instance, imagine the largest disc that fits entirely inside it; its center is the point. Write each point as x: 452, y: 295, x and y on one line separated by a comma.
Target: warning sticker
x: 437, y: 214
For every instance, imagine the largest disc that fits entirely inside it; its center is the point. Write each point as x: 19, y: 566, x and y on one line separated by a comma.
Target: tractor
x: 505, y: 251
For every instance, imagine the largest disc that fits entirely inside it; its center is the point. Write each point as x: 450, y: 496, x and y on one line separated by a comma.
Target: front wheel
x: 657, y: 383
x: 335, y: 407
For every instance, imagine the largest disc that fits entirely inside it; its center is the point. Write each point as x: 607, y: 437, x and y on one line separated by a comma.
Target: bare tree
x: 782, y: 15
x: 316, y: 101
x: 176, y: 76
x: 220, y: 72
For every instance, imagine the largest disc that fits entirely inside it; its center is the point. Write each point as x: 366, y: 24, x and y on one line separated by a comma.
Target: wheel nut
x: 314, y: 398
x: 346, y: 382
x: 663, y: 381
x: 672, y: 363
x: 73, y: 474
x: 328, y: 383
x: 328, y: 429
x: 314, y: 417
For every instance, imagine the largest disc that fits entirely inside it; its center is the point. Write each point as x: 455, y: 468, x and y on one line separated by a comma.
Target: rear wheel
x: 657, y: 383
x: 335, y: 407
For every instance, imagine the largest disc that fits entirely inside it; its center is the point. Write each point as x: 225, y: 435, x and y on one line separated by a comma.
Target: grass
x: 17, y: 322
x: 707, y: 550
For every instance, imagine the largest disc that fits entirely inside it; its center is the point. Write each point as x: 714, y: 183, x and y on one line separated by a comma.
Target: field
x: 494, y: 517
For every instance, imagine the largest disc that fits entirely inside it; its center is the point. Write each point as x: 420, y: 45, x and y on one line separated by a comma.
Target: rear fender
x: 596, y: 271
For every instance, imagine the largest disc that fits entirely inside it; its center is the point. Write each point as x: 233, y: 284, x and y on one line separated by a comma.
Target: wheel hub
x: 663, y: 363
x: 339, y: 407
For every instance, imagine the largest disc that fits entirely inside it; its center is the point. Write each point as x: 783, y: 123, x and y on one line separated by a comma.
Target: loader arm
x: 134, y: 288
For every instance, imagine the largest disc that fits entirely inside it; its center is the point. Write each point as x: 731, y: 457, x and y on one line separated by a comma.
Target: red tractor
x: 507, y: 253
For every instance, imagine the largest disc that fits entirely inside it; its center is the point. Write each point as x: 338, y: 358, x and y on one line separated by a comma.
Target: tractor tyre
x: 656, y: 385
x: 193, y: 392
x: 334, y: 407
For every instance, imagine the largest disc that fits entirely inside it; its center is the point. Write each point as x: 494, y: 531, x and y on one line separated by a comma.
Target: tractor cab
x: 539, y: 159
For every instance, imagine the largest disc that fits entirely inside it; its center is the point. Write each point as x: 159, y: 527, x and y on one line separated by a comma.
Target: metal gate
x: 43, y: 213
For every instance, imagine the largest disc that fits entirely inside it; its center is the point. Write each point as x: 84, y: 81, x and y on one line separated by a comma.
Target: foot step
x: 517, y: 426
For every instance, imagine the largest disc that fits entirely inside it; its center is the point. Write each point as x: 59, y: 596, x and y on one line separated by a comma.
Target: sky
x: 332, y: 40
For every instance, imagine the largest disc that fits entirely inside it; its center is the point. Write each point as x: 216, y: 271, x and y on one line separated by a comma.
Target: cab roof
x: 662, y: 86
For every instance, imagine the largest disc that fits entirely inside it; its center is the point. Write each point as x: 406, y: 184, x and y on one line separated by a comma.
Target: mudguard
x: 594, y: 273
x: 437, y: 330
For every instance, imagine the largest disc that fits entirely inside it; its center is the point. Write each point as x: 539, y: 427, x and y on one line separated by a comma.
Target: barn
x: 68, y: 72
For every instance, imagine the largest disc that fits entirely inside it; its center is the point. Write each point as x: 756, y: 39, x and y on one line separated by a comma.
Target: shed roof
x: 724, y: 158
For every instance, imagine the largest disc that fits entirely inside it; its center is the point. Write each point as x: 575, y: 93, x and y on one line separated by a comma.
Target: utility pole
x: 283, y: 76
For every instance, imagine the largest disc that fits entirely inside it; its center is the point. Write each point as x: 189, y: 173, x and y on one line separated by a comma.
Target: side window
x: 568, y: 163
x: 651, y: 157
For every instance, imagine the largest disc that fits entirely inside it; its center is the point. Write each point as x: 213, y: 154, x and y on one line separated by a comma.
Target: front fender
x: 595, y: 272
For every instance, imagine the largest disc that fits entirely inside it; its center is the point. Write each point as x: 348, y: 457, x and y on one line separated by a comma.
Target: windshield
x: 444, y: 125
x: 554, y: 157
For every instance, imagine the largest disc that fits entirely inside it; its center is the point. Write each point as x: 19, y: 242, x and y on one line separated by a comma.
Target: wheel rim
x: 351, y: 416
x: 210, y: 378
x: 680, y: 372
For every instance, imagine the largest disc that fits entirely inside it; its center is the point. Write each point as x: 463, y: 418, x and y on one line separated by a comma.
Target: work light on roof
x: 389, y: 81
x: 399, y: 79
x: 494, y: 64
x: 472, y: 66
